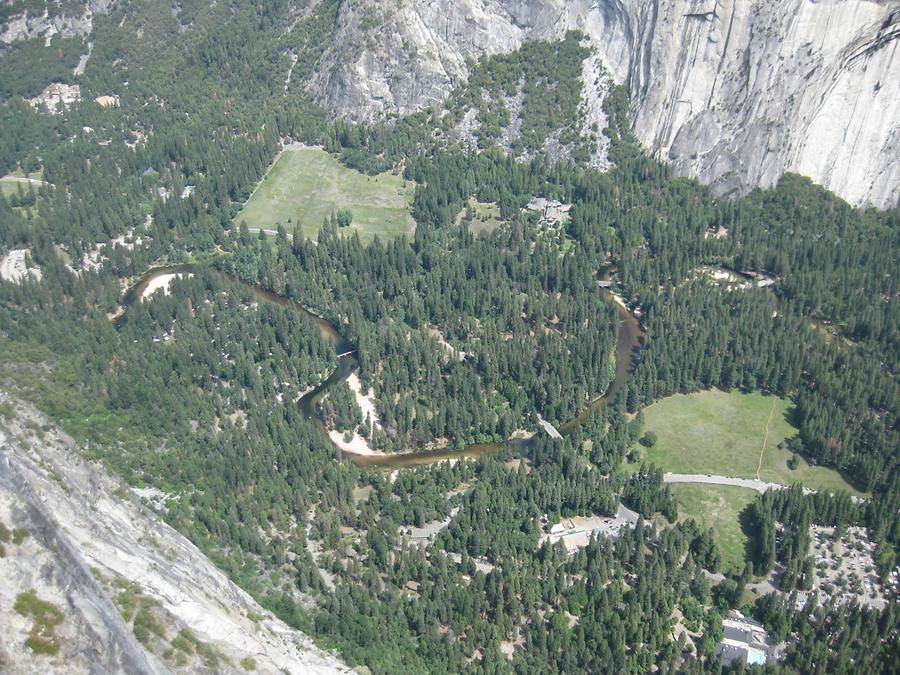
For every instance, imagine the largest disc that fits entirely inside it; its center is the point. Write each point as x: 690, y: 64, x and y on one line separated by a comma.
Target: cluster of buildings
x: 553, y: 213
x: 576, y: 532
x: 58, y: 96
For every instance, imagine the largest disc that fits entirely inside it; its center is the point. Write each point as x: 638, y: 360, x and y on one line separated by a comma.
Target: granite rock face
x: 89, y: 536
x: 736, y: 93
x: 394, y: 57
x: 732, y: 92
x: 71, y: 20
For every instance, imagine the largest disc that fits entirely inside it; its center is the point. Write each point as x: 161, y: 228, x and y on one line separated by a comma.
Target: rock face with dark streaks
x: 736, y: 93
x: 733, y: 92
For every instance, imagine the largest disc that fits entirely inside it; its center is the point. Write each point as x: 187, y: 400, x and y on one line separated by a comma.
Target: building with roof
x: 743, y: 639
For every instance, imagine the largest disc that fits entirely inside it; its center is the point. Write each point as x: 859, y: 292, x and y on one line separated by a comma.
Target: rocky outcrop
x: 733, y: 92
x: 88, y: 538
x: 70, y: 20
x: 92, y: 636
x: 396, y: 57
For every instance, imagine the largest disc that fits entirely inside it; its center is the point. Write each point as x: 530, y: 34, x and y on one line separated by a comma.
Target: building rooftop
x: 744, y: 639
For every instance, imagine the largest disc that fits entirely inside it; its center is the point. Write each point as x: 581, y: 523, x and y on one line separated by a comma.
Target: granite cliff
x: 733, y: 93
x: 126, y: 585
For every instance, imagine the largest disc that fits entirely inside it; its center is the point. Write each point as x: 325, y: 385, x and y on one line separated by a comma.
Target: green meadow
x: 307, y: 185
x: 718, y: 507
x: 729, y: 434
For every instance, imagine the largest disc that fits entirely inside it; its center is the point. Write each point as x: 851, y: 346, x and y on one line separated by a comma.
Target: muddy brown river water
x: 628, y: 342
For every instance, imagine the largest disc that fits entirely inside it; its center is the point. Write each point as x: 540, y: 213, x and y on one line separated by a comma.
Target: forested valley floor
x: 488, y: 312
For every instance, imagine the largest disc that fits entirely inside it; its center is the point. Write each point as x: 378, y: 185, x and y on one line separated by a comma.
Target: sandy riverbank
x: 162, y: 281
x: 619, y: 300
x: 355, y: 446
x: 366, y: 402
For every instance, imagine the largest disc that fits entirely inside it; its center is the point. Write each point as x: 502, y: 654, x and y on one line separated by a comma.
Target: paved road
x: 274, y: 233
x: 752, y: 483
x: 271, y: 233
x: 22, y: 179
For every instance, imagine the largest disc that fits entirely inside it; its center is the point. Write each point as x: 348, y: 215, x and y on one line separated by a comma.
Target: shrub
x: 47, y: 616
x: 344, y: 218
x: 147, y: 620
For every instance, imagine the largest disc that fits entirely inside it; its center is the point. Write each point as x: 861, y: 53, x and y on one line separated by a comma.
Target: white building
x: 743, y: 639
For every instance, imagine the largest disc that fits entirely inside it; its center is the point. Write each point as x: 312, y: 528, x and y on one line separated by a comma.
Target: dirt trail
x: 765, y: 438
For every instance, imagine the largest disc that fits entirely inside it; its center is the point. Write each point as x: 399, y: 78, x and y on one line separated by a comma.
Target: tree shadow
x: 750, y: 530
x: 792, y: 416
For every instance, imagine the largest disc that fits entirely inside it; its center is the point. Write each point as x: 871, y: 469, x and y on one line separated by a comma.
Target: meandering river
x: 628, y: 343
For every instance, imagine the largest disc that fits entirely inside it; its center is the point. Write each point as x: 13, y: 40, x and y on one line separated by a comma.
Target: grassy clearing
x: 10, y: 186
x: 19, y: 172
x: 21, y: 196
x: 716, y: 432
x: 718, y: 507
x: 307, y: 185
x: 482, y: 217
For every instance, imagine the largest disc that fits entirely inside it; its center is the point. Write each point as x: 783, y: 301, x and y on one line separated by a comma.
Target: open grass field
x: 487, y: 217
x: 307, y: 185
x: 718, y: 507
x: 10, y: 186
x: 18, y: 171
x: 722, y: 433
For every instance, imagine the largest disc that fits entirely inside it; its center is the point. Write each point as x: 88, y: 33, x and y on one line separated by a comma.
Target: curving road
x: 752, y: 483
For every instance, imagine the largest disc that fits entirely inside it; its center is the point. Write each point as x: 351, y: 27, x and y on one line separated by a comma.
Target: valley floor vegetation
x: 718, y: 507
x: 330, y: 546
x: 307, y: 186
x: 734, y: 434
